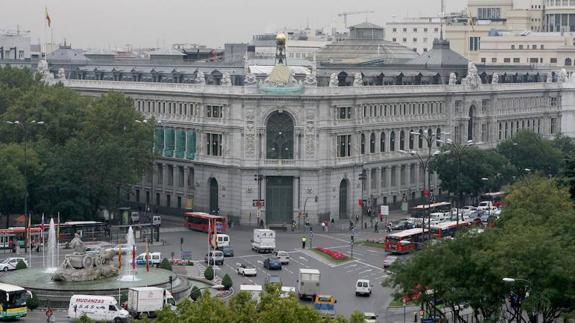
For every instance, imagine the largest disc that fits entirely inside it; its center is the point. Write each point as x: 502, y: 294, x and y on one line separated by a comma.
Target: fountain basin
x: 58, y: 293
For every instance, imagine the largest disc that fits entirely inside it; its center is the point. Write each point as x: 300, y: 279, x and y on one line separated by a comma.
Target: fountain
x: 128, y: 267
x: 52, y: 263
x: 90, y: 272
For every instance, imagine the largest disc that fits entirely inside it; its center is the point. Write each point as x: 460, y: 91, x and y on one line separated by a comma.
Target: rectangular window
x: 160, y: 174
x: 507, y: 60
x: 516, y: 60
x: 344, y: 113
x: 344, y: 146
x: 394, y: 30
x: 414, y: 30
x: 494, y: 60
x: 474, y: 43
x: 214, y: 144
x: 415, y: 40
x: 393, y: 177
x: 424, y: 30
x: 181, y: 176
x: 553, y: 61
x: 483, y: 60
x: 383, y: 176
x: 488, y: 13
x: 394, y: 39
x: 170, y: 175
x: 214, y: 111
x: 534, y: 60
x: 520, y: 46
x: 553, y: 125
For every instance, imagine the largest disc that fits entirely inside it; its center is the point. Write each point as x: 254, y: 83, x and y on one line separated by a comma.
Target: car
x: 273, y: 263
x: 215, y: 257
x: 246, y: 270
x: 154, y: 258
x: 362, y: 287
x: 402, y: 225
x: 388, y: 261
x: 283, y: 256
x: 227, y: 250
x: 369, y: 317
x: 485, y: 205
x: 468, y: 209
x: 274, y: 279
x: 11, y: 263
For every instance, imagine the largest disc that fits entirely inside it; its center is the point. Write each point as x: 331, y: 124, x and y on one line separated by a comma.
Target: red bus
x: 447, y: 229
x: 20, y: 235
x: 405, y: 241
x: 200, y: 221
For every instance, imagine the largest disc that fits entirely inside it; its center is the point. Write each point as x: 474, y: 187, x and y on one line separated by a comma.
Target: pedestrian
x: 262, y: 223
x: 375, y: 227
x: 292, y: 225
x: 303, y: 239
x: 356, y: 218
x: 332, y: 221
x: 49, y: 315
x: 323, y: 226
x: 350, y: 225
x: 389, y: 228
x: 326, y: 226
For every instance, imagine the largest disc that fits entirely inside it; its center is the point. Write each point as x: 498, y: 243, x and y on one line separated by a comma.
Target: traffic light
x: 352, y: 238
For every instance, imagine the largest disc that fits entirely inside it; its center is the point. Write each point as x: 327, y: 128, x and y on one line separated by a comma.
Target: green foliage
x: 533, y: 242
x: 33, y: 302
x: 461, y: 169
x: 195, y: 293
x: 21, y: 265
x: 209, y: 273
x: 87, y: 154
x: 165, y: 264
x: 227, y: 282
x: 356, y: 317
x: 528, y: 150
x: 84, y: 319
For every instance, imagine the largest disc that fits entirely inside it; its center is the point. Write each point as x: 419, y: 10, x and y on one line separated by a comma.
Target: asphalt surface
x: 338, y: 280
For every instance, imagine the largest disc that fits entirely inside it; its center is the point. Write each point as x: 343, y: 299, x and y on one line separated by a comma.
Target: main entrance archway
x: 279, y: 199
x: 214, y: 201
x: 343, y: 189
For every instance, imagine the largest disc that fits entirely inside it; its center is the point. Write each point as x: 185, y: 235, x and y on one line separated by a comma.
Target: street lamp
x: 315, y: 198
x: 424, y: 162
x: 24, y: 126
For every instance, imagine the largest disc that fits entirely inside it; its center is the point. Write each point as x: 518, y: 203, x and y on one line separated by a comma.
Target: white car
x: 388, y: 261
x: 246, y: 270
x: 363, y: 287
x: 11, y: 263
x: 283, y: 256
x: 485, y: 205
x: 468, y: 209
x: 369, y: 317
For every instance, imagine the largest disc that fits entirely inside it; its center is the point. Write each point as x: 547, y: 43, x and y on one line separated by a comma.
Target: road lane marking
x: 372, y: 251
x: 349, y: 266
x: 303, y: 258
x: 365, y: 271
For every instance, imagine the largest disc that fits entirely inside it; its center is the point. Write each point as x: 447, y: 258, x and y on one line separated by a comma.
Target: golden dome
x: 281, y: 38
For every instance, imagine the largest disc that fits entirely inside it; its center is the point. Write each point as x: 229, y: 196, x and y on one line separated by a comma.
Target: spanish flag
x: 48, y: 19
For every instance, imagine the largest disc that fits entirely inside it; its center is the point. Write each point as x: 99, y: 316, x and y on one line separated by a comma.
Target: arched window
x: 411, y: 139
x: 470, y: 123
x: 392, y: 141
x: 402, y: 140
x: 567, y: 62
x: 420, y: 139
x: 362, y: 144
x: 214, y: 201
x: 279, y: 136
x: 430, y: 136
x: 372, y: 143
x: 382, y: 142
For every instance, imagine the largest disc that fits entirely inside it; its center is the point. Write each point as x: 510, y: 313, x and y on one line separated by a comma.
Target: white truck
x: 97, y: 308
x: 308, y: 283
x: 146, y: 301
x: 264, y: 240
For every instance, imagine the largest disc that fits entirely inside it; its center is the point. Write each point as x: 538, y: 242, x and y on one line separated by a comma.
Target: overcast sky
x: 160, y: 23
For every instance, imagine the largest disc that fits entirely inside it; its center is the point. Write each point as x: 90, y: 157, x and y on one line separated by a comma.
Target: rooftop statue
x: 200, y: 78
x: 452, y: 79
x: 226, y: 79
x: 495, y: 78
x: 357, y: 80
x: 333, y: 80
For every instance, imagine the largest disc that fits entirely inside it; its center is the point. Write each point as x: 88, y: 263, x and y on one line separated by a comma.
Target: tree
x: 528, y: 150
x: 462, y: 168
x: 32, y: 302
x: 356, y: 317
x: 209, y: 273
x: 227, y: 282
x: 21, y: 265
x: 195, y: 293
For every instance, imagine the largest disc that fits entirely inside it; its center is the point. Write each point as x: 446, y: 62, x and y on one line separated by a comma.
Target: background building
x: 415, y: 33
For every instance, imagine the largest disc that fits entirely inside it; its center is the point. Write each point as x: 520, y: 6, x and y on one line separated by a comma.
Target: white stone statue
x: 472, y: 79
x: 333, y: 80
x: 549, y: 78
x: 44, y: 72
x: 495, y: 78
x: 357, y: 80
x: 200, y: 78
x: 562, y: 76
x: 250, y: 79
x: 452, y: 79
x: 310, y: 80
x: 226, y: 79
x: 61, y: 74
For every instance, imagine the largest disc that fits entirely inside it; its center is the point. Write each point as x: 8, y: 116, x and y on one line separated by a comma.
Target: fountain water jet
x: 52, y: 262
x: 128, y: 269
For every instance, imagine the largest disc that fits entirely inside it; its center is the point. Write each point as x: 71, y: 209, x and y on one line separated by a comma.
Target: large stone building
x: 415, y: 33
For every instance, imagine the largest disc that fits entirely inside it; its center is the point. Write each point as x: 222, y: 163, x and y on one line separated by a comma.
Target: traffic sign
x: 384, y: 210
x: 258, y: 203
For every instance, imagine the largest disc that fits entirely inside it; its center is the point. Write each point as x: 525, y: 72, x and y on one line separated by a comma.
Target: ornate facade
x: 217, y: 141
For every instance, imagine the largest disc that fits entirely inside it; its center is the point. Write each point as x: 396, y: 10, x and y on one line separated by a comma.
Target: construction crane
x: 351, y: 13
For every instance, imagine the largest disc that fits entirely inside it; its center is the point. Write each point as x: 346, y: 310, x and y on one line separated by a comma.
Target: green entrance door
x: 279, y: 199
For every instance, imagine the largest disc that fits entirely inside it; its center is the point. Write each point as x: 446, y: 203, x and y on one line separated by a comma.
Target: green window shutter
x: 191, y: 145
x: 180, y: 143
x: 159, y: 140
x: 169, y: 133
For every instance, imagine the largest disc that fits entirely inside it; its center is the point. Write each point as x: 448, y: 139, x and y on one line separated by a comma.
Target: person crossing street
x: 303, y: 240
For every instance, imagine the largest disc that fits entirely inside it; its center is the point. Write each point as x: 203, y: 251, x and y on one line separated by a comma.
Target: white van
x: 97, y: 308
x: 223, y: 240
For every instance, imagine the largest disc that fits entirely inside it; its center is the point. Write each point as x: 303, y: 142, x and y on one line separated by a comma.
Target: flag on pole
x: 58, y: 229
x: 48, y: 19
x: 119, y: 257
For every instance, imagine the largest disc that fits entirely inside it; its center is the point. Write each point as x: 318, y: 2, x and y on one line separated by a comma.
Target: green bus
x: 13, y: 301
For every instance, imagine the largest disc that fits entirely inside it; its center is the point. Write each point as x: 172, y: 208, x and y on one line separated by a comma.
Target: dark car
x: 272, y: 264
x: 274, y: 279
x: 227, y: 250
x: 401, y: 225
